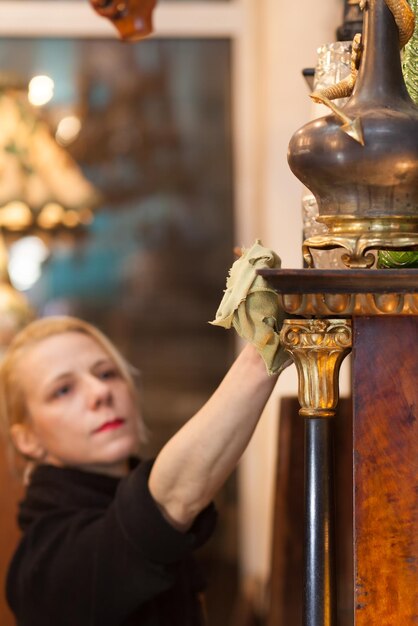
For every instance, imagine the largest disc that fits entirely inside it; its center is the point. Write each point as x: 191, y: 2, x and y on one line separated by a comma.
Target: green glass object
x: 395, y: 258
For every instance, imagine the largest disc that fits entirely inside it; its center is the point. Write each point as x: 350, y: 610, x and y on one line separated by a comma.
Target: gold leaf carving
x: 318, y: 348
x: 359, y: 304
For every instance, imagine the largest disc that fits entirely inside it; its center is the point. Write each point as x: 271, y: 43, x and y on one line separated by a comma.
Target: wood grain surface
x: 342, y: 281
x: 385, y: 380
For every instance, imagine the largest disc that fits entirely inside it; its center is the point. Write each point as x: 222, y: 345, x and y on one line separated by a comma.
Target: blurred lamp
x: 42, y: 192
x: 15, y: 311
x: 41, y: 187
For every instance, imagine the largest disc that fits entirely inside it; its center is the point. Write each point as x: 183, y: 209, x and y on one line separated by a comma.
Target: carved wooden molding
x: 327, y: 293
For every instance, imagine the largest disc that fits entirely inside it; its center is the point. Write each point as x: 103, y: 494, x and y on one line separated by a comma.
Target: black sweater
x: 96, y: 551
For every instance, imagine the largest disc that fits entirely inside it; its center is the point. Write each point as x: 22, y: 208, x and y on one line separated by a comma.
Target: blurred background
x: 153, y: 161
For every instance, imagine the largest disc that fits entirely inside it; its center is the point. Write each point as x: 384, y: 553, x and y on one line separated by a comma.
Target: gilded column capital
x: 318, y: 347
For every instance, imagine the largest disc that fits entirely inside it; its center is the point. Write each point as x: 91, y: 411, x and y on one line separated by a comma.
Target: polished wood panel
x: 385, y: 379
x: 342, y: 281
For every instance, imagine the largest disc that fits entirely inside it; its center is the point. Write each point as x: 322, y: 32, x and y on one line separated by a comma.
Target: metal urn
x: 361, y: 162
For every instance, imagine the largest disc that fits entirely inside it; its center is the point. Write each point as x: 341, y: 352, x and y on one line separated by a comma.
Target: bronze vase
x: 367, y: 194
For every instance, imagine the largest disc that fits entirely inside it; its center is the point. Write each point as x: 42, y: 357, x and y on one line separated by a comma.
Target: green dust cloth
x: 252, y: 307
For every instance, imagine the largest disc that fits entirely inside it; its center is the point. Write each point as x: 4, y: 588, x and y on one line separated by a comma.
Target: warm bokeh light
x: 41, y: 90
x: 15, y: 215
x: 51, y: 215
x: 25, y: 259
x: 68, y: 130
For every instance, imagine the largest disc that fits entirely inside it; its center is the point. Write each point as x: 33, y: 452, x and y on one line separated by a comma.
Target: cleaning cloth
x: 252, y: 307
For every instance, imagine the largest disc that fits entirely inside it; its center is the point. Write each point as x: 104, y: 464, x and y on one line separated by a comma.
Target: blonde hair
x: 13, y: 409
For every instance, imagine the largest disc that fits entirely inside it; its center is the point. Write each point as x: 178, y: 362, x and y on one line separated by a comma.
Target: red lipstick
x: 111, y: 425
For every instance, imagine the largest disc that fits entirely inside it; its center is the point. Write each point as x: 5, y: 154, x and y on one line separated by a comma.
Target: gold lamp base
x: 359, y: 235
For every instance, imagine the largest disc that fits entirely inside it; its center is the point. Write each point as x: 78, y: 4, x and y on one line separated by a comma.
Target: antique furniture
x: 361, y: 164
x: 383, y: 308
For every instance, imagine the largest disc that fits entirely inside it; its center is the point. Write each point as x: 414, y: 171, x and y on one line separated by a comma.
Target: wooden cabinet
x: 385, y: 384
x: 376, y: 554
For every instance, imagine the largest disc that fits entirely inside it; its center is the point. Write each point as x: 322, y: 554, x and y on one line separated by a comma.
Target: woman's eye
x: 107, y: 374
x: 63, y: 390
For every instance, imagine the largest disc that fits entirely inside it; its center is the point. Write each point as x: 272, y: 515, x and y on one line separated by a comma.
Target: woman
x: 104, y: 544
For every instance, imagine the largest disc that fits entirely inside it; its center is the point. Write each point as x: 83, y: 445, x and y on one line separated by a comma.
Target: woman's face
x: 80, y: 410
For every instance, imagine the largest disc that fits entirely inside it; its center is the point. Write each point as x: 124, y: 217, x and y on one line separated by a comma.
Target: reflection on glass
x: 150, y: 126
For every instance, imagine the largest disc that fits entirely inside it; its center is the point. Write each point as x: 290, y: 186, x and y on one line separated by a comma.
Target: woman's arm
x: 195, y: 463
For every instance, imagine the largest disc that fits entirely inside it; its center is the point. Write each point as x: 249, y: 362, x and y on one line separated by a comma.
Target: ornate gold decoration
x: 404, y: 18
x: 318, y: 348
x: 359, y: 235
x: 330, y: 293
x: 347, y: 304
